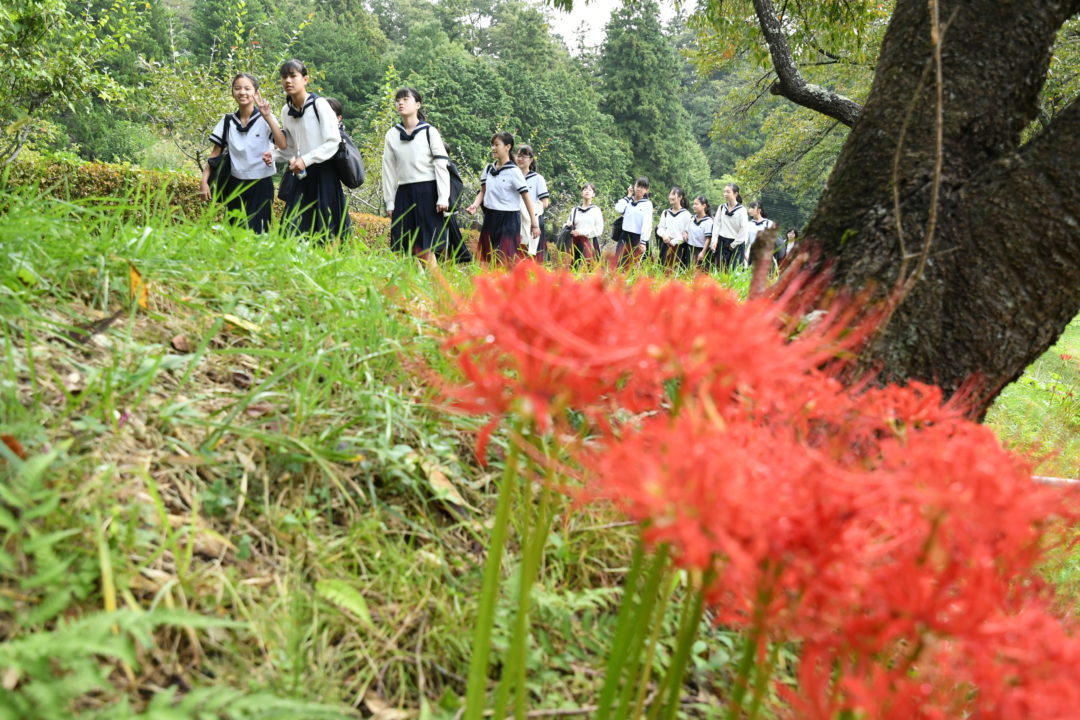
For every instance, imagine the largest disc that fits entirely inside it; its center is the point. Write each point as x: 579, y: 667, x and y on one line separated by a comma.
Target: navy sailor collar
x: 293, y: 112
x: 675, y: 213
x: 586, y: 209
x: 730, y: 212
x: 240, y: 127
x: 493, y: 171
x: 760, y: 222
x: 407, y: 136
x: 699, y: 220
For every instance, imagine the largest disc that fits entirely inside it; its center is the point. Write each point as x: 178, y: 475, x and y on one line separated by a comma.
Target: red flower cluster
x: 895, y: 539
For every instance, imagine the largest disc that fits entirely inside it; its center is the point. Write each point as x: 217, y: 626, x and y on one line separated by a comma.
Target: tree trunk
x: 1001, y: 278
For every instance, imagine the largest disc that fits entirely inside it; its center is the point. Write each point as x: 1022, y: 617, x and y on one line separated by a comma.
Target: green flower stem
x: 687, y: 632
x: 746, y: 662
x: 647, y: 622
x: 624, y: 630
x: 478, y: 664
x: 761, y: 682
x: 646, y: 672
x: 529, y: 572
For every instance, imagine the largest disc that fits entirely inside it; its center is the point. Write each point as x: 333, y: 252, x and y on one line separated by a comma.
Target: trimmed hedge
x: 74, y: 180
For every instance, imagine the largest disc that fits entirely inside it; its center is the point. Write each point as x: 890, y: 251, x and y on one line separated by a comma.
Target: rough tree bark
x: 1001, y: 278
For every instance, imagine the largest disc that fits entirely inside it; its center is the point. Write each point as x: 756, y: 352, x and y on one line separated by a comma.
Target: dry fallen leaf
x: 443, y: 488
x: 242, y: 323
x: 14, y: 446
x: 180, y: 344
x: 380, y: 710
x: 137, y: 287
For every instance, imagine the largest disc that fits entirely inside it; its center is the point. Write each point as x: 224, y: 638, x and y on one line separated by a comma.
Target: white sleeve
x: 217, y: 135
x: 741, y: 221
x: 389, y: 175
x: 647, y: 223
x: 328, y: 131
x: 621, y: 203
x: 287, y: 153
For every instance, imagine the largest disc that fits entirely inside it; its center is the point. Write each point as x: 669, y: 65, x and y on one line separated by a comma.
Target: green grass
x: 1039, y: 414
x: 258, y: 446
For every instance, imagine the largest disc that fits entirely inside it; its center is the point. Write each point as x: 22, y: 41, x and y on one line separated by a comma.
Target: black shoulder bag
x: 221, y: 166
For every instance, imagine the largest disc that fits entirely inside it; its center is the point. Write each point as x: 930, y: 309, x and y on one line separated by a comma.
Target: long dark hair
x: 705, y: 201
x: 735, y: 189
x: 527, y: 151
x: 407, y: 92
x: 507, y: 139
x: 757, y: 204
x: 680, y: 194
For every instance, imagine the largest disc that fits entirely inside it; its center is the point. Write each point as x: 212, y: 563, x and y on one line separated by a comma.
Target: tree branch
x: 790, y: 82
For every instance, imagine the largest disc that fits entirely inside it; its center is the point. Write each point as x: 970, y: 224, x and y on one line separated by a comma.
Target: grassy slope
x: 282, y: 467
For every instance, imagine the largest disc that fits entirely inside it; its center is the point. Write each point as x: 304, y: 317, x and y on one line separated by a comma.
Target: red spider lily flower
x: 514, y: 359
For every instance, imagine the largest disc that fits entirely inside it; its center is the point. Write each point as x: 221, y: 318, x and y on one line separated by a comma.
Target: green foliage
x: 348, y: 47
x: 47, y: 674
x: 73, y: 180
x: 638, y: 65
x: 53, y: 57
x: 100, y: 134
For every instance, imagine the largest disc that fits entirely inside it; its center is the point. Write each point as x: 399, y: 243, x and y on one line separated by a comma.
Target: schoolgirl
x: 538, y: 193
x: 502, y: 192
x: 415, y: 179
x: 785, y: 249
x: 730, y: 229
x: 586, y: 223
x: 249, y: 135
x: 673, y: 226
x: 699, y: 234
x: 316, y: 203
x: 637, y: 213
x: 758, y: 221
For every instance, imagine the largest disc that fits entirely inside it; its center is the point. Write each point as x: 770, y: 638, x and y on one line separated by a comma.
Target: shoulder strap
x: 225, y: 132
x: 427, y: 131
x: 315, y: 107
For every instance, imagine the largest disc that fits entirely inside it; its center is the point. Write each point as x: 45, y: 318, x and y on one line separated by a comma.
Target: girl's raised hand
x: 262, y: 104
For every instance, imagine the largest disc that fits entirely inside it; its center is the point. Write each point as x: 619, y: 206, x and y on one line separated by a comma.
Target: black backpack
x: 347, y: 160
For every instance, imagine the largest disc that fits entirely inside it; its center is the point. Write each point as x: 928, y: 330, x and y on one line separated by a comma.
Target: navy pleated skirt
x: 415, y: 226
x: 253, y: 199
x: 500, y: 236
x: 318, y: 206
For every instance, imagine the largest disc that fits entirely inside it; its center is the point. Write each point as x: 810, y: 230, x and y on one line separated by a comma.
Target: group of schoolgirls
x: 305, y: 139
x: 689, y: 236
x: 417, y: 180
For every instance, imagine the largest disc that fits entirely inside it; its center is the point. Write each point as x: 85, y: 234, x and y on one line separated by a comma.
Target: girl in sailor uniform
x: 758, y: 222
x: 502, y: 191
x: 317, y: 203
x: 637, y: 212
x: 673, y: 225
x: 586, y: 223
x: 415, y: 180
x: 730, y: 228
x: 699, y: 234
x: 249, y: 135
x: 538, y: 193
